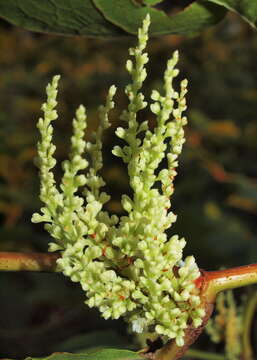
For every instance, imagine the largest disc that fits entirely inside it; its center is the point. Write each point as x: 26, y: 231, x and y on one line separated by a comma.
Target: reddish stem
x: 14, y: 261
x: 231, y: 278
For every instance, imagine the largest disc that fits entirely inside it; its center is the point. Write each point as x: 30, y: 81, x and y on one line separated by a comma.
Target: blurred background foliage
x: 216, y: 188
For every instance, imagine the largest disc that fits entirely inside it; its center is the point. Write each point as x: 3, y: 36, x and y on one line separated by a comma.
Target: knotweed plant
x: 127, y: 266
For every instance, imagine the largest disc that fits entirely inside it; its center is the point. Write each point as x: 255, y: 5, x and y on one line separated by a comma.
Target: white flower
x: 125, y: 266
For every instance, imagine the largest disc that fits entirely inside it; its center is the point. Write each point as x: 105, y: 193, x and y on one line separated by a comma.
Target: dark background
x: 216, y: 189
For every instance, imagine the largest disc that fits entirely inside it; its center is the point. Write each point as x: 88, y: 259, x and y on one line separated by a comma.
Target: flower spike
x: 127, y: 266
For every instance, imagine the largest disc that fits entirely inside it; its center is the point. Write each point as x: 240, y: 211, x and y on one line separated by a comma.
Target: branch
x: 220, y: 280
x: 14, y: 261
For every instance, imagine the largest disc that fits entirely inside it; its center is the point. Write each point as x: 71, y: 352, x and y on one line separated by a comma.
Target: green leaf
x: 246, y: 8
x: 106, y: 338
x: 152, y: 2
x: 82, y: 17
x: 76, y: 17
x: 194, y: 18
x: 106, y: 354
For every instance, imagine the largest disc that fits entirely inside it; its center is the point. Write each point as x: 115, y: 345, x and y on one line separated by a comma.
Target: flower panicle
x: 127, y: 266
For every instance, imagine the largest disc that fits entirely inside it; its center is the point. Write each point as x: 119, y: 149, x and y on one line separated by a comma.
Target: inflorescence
x: 127, y: 266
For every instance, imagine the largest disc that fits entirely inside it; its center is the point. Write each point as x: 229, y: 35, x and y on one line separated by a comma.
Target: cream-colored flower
x: 128, y: 266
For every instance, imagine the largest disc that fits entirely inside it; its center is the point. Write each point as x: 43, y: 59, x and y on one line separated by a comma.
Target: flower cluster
x: 127, y: 266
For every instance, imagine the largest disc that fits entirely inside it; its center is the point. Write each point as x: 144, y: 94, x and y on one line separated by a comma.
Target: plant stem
x: 248, y: 318
x: 220, y: 280
x: 197, y: 354
x: 212, y: 281
x: 14, y: 261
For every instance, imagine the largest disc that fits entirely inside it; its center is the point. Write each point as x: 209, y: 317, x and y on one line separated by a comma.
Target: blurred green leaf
x: 129, y: 16
x: 245, y: 8
x: 152, y: 2
x: 106, y: 354
x: 64, y: 17
x: 94, y: 339
x: 83, y: 18
x: 247, y: 187
x: 245, y: 196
